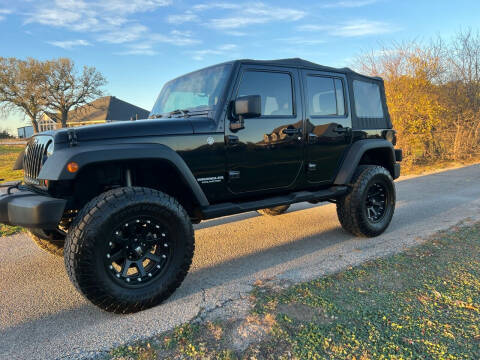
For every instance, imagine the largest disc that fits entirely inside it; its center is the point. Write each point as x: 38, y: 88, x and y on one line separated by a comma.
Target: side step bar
x: 229, y: 208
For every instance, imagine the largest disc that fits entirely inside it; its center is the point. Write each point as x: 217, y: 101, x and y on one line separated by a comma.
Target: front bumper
x: 31, y: 210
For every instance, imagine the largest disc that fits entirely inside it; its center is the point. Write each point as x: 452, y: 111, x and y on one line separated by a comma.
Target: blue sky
x: 140, y: 44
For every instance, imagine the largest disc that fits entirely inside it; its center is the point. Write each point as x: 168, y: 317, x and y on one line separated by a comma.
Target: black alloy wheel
x: 376, y: 202
x: 138, y: 251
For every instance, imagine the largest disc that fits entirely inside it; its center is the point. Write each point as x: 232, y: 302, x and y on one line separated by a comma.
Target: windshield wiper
x: 155, y: 116
x: 183, y: 112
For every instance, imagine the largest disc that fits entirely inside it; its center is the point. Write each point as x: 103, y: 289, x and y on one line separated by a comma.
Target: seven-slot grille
x: 35, y: 157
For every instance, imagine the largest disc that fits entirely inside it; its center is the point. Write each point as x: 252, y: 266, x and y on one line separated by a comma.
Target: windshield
x: 199, y: 91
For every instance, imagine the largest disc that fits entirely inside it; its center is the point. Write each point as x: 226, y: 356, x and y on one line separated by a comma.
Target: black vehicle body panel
x: 29, y: 209
x: 208, y: 154
x: 354, y: 155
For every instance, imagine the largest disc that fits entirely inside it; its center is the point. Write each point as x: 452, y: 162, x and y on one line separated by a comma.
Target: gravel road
x: 43, y: 317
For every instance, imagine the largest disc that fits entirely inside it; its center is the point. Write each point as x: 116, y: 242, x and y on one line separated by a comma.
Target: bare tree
x: 67, y: 89
x: 22, y: 87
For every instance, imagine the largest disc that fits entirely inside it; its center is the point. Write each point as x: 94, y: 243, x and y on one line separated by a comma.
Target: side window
x: 368, y: 103
x: 274, y: 88
x: 325, y: 96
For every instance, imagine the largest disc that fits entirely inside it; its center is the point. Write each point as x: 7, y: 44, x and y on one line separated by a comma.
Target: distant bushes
x: 433, y: 95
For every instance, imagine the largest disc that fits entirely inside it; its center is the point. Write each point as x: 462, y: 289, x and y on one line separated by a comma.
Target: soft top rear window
x: 368, y: 103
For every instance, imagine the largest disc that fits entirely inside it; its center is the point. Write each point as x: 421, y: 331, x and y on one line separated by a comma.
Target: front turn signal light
x: 72, y: 167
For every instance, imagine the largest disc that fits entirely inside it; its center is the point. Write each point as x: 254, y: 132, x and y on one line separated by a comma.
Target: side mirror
x: 248, y: 107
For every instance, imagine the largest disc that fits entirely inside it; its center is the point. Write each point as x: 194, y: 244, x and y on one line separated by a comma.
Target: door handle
x: 291, y: 131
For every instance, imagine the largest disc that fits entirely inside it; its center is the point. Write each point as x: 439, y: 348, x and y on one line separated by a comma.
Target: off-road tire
x: 352, y: 208
x: 53, y: 244
x: 274, y: 211
x: 84, y: 257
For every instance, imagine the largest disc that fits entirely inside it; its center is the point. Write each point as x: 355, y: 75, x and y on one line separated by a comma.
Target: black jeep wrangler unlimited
x: 118, y: 200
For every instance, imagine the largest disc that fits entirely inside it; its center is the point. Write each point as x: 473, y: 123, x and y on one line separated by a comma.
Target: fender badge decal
x: 209, y: 180
x: 210, y: 140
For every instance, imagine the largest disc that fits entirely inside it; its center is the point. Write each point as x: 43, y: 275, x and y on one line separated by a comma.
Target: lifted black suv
x: 118, y: 200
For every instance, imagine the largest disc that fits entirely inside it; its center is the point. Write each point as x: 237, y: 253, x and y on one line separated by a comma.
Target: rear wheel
x: 368, y: 209
x: 274, y: 211
x: 51, y: 242
x: 129, y: 249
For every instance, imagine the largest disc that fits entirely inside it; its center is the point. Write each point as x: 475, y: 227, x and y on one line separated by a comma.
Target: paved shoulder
x: 43, y: 317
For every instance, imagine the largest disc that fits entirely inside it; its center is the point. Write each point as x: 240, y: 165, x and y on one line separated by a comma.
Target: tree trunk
x: 64, y: 118
x: 35, y: 125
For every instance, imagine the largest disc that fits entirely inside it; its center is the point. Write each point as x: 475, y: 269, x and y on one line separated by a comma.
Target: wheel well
x: 379, y: 156
x: 155, y: 174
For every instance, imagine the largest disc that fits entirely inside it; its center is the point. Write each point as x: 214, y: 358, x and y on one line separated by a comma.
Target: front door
x: 328, y: 124
x: 267, y: 152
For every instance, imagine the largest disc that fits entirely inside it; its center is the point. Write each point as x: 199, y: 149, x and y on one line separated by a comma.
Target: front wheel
x: 368, y: 209
x: 129, y: 249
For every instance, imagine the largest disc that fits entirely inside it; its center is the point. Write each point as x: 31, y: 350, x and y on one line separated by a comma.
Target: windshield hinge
x: 72, y: 137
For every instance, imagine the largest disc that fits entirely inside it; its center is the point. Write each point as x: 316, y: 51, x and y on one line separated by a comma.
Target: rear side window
x: 274, y: 88
x: 368, y: 103
x: 325, y: 96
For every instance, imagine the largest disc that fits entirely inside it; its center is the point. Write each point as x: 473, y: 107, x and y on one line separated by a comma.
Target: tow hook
x: 10, y: 185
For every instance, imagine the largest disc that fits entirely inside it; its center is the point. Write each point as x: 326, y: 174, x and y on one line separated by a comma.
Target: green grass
x: 8, y: 155
x: 421, y: 304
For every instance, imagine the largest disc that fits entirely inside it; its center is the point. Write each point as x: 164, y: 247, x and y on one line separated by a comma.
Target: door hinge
x: 233, y: 174
x: 231, y: 139
x: 312, y: 166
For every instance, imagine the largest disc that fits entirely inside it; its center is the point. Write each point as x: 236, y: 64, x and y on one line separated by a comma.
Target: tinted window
x: 274, y: 88
x: 368, y: 103
x: 325, y: 96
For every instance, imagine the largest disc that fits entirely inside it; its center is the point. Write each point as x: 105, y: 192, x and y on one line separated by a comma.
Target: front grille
x: 35, y: 157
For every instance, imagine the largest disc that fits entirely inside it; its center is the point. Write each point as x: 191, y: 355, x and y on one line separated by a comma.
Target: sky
x: 140, y: 44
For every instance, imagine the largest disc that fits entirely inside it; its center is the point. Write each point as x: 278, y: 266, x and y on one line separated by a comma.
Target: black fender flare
x: 55, y: 166
x: 354, y: 155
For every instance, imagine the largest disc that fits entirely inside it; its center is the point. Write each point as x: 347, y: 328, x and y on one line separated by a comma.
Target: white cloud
x: 123, y: 35
x: 349, y: 4
x: 220, y: 50
x: 256, y: 13
x: 69, y: 44
x: 202, y: 7
x: 354, y: 28
x: 139, y: 49
x: 147, y: 45
x: 238, y: 15
x: 175, y: 37
x: 182, y: 18
x: 113, y: 18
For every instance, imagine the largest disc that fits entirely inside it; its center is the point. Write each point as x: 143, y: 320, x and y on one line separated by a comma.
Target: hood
x: 124, y: 129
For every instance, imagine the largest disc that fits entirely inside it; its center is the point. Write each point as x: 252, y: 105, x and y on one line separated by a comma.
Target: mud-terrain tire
x: 51, y: 243
x: 368, y: 208
x: 145, y: 227
x: 274, y: 211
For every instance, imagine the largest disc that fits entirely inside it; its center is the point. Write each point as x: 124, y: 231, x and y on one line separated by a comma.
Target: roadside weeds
x: 423, y: 302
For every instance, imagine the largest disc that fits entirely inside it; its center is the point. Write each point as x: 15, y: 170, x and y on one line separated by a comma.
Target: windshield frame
x: 213, y: 113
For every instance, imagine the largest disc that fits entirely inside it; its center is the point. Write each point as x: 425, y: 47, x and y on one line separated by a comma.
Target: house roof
x: 104, y: 108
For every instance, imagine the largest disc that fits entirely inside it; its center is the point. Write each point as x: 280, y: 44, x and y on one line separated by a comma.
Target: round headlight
x: 50, y: 149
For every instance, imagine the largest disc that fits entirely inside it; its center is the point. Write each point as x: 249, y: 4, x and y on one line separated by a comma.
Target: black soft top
x: 301, y: 63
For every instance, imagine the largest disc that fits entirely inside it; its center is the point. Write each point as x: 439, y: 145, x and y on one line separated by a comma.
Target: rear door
x: 328, y: 123
x: 267, y: 152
